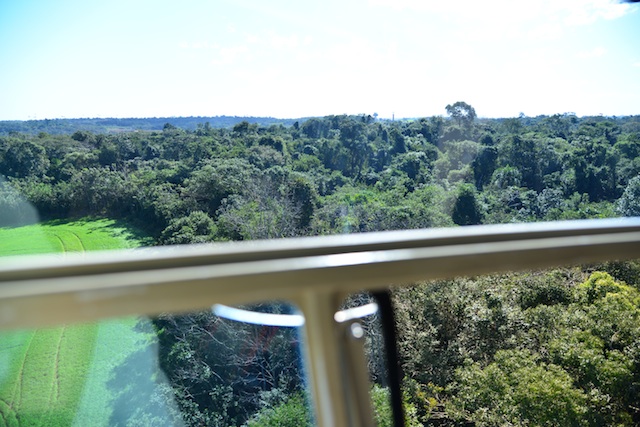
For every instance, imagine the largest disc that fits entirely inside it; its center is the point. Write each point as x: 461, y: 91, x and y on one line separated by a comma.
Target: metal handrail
x: 39, y: 290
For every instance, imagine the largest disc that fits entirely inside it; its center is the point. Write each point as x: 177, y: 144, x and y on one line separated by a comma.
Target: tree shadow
x: 142, y: 395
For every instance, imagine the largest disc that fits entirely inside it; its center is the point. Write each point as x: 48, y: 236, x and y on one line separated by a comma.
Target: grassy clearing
x: 51, y: 377
x: 60, y: 376
x: 13, y: 350
x: 75, y: 236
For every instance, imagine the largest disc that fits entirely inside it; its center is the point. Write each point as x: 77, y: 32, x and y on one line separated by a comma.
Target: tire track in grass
x: 16, y: 399
x: 4, y: 407
x: 13, y: 360
x: 62, y: 244
x: 54, y: 396
x: 43, y: 381
x: 65, y: 245
x: 79, y: 241
x: 6, y: 412
x: 64, y: 249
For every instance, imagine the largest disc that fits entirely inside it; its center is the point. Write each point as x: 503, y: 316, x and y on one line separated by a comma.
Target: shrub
x: 293, y: 412
x: 517, y: 390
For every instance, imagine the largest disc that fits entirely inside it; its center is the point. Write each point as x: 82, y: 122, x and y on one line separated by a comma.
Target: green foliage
x: 518, y: 389
x: 607, y: 374
x: 24, y: 157
x: 382, y: 412
x: 526, y: 169
x: 622, y: 271
x: 523, y: 153
x: 601, y: 285
x: 505, y: 177
x: 546, y: 289
x: 462, y: 113
x: 482, y: 350
x: 484, y: 165
x: 354, y: 210
x: 225, y: 372
x: 629, y: 203
x: 466, y: 209
x: 217, y: 180
x: 198, y: 227
x: 293, y: 412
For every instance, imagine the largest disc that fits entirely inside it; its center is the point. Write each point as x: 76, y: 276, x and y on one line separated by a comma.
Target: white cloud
x: 230, y: 55
x: 197, y: 45
x: 546, y: 32
x: 584, y: 13
x: 493, y: 21
x: 570, y: 12
x: 277, y: 41
x: 596, y: 52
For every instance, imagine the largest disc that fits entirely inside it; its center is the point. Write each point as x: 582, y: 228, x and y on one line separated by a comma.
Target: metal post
x: 324, y: 359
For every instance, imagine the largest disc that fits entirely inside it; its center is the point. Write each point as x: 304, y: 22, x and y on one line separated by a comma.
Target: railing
x: 315, y: 273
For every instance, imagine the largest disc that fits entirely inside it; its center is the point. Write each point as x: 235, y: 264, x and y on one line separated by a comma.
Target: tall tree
x: 629, y: 203
x: 463, y: 113
x: 466, y: 209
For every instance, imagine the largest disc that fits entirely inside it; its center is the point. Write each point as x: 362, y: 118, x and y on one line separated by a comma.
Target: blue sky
x: 286, y: 58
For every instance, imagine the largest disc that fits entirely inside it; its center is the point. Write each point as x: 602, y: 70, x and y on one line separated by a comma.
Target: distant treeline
x: 112, y: 125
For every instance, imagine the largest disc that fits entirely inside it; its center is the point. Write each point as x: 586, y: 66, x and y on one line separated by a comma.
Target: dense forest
x: 557, y: 347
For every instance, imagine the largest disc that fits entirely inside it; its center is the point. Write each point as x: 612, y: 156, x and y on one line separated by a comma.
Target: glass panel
x: 410, y: 153
x: 191, y: 369
x: 556, y: 347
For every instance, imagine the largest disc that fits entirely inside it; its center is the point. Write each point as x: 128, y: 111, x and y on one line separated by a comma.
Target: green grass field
x: 64, y: 376
x: 63, y: 237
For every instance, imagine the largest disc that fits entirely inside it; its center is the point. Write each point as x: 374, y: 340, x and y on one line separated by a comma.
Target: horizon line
x: 378, y: 118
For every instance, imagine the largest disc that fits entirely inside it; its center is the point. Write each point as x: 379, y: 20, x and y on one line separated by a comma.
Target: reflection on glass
x: 93, y: 374
x: 226, y: 371
x: 191, y: 369
x: 257, y: 317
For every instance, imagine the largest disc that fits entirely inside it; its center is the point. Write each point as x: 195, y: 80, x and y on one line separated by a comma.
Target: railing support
x: 323, y: 357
